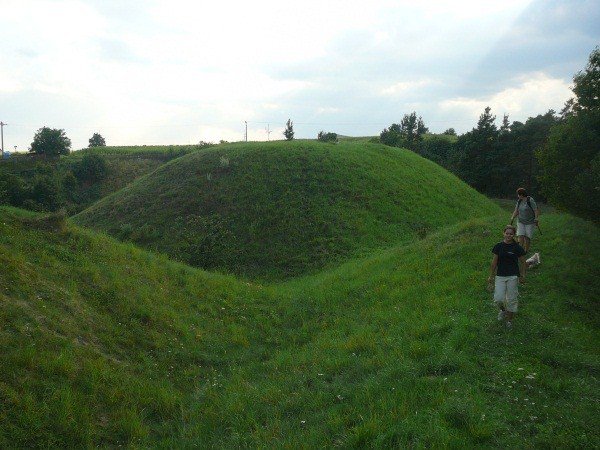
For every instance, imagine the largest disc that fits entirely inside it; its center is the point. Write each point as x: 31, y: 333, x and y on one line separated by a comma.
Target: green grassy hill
x: 104, y: 345
x: 279, y: 209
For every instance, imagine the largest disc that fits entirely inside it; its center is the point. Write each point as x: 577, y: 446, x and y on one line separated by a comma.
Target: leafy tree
x: 518, y: 147
x: 327, y: 137
x: 50, y: 142
x: 450, y: 132
x: 570, y: 161
x: 408, y: 133
x: 479, y: 163
x: 289, y: 130
x: 413, y: 129
x: 392, y: 136
x: 587, y: 84
x: 438, y: 149
x: 505, y: 127
x: 97, y: 141
x: 567, y: 110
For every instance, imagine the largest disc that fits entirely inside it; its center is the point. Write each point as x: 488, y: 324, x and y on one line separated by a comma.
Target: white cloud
x: 154, y: 71
x: 327, y: 110
x: 534, y: 94
x: 405, y: 86
x: 9, y: 84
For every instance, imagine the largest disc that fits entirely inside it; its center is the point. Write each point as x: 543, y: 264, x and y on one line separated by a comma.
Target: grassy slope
x: 124, y: 164
x: 104, y: 344
x: 395, y: 350
x: 282, y: 209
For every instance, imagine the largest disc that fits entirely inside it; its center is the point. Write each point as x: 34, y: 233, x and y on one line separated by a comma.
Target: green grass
x: 161, y: 152
x: 104, y: 344
x: 281, y: 209
x: 124, y: 165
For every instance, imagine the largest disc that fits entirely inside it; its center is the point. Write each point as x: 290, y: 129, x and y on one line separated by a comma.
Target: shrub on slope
x: 277, y: 209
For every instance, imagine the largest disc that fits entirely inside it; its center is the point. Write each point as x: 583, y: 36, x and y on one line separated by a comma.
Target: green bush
x: 437, y: 149
x: 13, y: 189
x: 91, y: 169
x: 327, y: 136
x: 47, y: 193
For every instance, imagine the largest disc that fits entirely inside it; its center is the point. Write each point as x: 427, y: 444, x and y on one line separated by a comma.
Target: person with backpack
x: 507, y: 270
x: 528, y: 214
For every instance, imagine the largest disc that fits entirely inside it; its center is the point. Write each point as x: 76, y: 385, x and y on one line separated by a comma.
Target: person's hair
x: 522, y: 191
x: 512, y: 228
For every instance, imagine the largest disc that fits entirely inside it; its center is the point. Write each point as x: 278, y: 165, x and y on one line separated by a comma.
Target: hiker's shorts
x: 506, y: 291
x: 525, y: 230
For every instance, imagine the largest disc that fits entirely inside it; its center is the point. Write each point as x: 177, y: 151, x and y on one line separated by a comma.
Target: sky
x: 144, y: 72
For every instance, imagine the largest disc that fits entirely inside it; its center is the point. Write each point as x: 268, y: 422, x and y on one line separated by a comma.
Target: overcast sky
x: 178, y: 71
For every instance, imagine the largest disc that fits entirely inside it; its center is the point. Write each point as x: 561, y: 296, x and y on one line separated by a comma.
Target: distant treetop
x: 50, y: 142
x: 97, y: 141
x: 450, y: 132
x: 289, y: 130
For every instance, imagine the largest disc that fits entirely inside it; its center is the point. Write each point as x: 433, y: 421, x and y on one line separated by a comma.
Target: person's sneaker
x: 501, y: 315
x: 508, y: 324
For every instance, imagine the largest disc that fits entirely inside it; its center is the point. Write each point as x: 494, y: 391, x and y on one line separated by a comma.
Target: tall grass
x: 106, y: 345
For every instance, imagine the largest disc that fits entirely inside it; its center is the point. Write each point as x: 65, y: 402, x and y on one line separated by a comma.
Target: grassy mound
x: 102, y: 344
x: 280, y: 209
x: 106, y: 345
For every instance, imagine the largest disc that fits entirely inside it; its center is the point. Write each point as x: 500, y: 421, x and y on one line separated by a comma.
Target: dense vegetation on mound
x: 280, y: 209
x: 105, y: 345
x: 76, y: 181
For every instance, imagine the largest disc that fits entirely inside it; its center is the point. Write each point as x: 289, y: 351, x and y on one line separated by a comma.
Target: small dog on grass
x: 533, y: 261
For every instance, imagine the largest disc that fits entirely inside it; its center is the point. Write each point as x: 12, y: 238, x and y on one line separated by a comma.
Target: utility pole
x: 246, y: 133
x: 268, y: 132
x: 2, y: 136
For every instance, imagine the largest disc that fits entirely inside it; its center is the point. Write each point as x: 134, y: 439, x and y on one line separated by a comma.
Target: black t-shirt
x: 508, y: 258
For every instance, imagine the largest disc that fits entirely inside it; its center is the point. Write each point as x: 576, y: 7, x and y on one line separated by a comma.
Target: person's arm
x: 493, y: 267
x: 523, y: 269
x: 537, y: 214
x: 514, y: 214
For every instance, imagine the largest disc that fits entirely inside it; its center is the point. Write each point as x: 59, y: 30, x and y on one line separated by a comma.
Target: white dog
x: 533, y: 261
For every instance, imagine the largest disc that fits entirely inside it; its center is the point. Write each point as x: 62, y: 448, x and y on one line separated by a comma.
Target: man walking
x: 528, y: 215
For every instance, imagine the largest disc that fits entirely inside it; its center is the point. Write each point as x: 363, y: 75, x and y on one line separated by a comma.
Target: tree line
x: 555, y: 156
